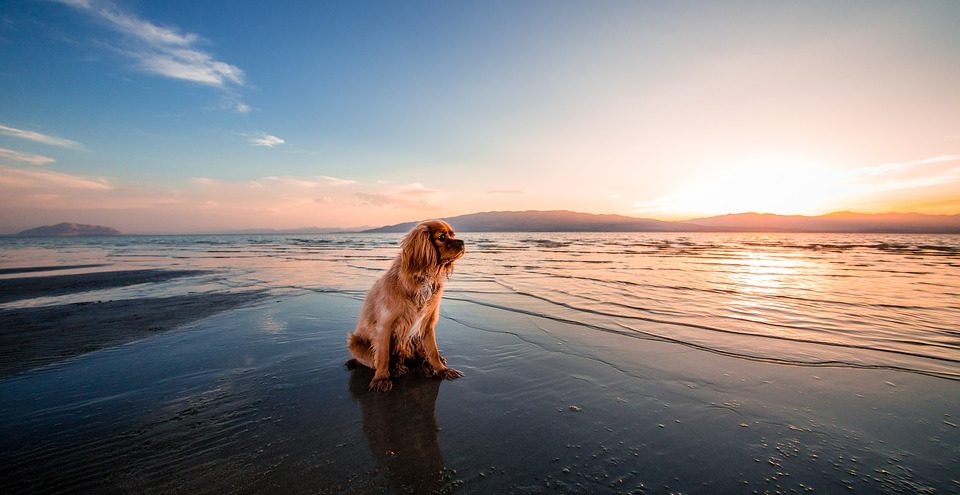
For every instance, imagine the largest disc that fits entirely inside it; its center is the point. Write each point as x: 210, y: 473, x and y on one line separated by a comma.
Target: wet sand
x: 33, y: 337
x: 49, y: 268
x: 13, y: 289
x: 256, y: 400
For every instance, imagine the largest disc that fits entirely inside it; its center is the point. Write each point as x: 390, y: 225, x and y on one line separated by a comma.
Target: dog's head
x: 431, y: 245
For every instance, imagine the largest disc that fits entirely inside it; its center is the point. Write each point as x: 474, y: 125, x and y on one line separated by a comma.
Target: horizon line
x: 691, y: 221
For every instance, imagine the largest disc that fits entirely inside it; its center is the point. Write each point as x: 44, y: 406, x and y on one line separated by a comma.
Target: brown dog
x: 399, y: 315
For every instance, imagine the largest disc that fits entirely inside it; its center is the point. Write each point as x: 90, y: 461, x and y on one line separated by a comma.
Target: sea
x: 881, y: 301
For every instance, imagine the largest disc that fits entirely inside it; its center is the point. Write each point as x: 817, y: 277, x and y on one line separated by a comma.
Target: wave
x: 740, y: 292
x: 633, y: 332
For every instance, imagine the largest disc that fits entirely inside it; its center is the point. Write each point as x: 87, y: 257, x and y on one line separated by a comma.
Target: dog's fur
x: 399, y: 315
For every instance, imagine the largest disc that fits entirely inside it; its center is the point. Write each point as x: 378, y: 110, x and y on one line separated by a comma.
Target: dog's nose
x: 458, y: 243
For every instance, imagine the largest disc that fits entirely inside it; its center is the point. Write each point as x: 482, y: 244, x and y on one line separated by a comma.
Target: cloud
x: 135, y: 27
x: 415, y: 199
x: 887, y: 168
x: 926, y: 172
x: 940, y: 178
x: 414, y: 196
x: 504, y: 191
x: 306, y: 180
x: 203, y: 181
x: 189, y: 65
x: 25, y: 157
x: 33, y: 179
x: 334, y: 181
x: 302, y: 181
x: 234, y: 105
x: 40, y: 138
x: 165, y: 51
x: 416, y: 189
x: 382, y: 200
x: 35, y: 196
x: 267, y: 140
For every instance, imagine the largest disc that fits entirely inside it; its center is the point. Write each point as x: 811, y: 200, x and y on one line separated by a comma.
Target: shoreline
x: 35, y: 337
x: 14, y: 289
x: 31, y: 337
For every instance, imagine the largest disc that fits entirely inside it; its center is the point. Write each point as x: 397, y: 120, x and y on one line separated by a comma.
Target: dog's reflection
x: 401, y: 428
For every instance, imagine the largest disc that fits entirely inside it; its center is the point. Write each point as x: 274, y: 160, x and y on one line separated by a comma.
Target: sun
x: 767, y: 183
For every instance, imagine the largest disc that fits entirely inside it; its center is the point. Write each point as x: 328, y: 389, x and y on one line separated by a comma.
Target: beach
x: 225, y: 374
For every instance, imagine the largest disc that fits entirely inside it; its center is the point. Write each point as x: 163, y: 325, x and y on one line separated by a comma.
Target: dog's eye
x: 442, y: 237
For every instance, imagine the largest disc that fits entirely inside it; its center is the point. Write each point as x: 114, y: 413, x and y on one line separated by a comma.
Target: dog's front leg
x: 431, y: 350
x: 381, y: 358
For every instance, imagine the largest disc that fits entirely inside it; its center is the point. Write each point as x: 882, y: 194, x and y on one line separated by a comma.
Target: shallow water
x: 256, y: 400
x: 595, y: 363
x: 858, y: 300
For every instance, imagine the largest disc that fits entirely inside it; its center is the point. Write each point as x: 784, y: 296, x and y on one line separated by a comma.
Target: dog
x: 398, y: 319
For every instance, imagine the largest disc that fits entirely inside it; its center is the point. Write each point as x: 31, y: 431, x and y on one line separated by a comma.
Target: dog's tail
x: 361, y: 349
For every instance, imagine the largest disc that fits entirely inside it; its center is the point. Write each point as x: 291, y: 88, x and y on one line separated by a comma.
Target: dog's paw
x: 381, y: 384
x: 429, y: 370
x: 400, y: 370
x: 449, y: 374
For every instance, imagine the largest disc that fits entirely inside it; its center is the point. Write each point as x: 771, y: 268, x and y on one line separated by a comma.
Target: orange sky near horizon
x: 763, y: 185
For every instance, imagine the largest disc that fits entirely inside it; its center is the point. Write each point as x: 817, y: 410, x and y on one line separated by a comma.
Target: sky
x: 185, y: 116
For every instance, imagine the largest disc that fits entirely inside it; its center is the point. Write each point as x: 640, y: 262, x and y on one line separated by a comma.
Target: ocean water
x: 595, y: 363
x: 818, y: 300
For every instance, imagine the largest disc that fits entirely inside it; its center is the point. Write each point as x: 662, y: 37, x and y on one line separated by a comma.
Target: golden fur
x: 399, y: 315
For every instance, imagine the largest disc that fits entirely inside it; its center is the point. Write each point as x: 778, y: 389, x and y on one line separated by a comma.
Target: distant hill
x: 569, y: 221
x: 550, y: 221
x: 68, y: 230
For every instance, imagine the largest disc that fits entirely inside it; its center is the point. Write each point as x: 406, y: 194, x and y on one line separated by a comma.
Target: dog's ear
x: 417, y: 251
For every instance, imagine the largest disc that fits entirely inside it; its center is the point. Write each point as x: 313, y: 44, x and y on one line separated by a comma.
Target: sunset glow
x: 767, y: 184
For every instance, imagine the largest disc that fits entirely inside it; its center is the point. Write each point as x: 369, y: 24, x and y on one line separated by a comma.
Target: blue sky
x: 199, y: 116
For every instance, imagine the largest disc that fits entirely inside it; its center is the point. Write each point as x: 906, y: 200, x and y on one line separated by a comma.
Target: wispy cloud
x: 307, y: 180
x: 886, y: 168
x: 206, y: 203
x: 190, y: 65
x: 233, y: 104
x: 267, y: 140
x: 165, y: 51
x: 25, y: 157
x: 937, y: 179
x: 382, y: 199
x: 33, y: 179
x: 303, y: 181
x: 136, y: 27
x: 416, y: 189
x: 334, y: 181
x: 926, y: 172
x: 40, y: 138
x: 414, y: 196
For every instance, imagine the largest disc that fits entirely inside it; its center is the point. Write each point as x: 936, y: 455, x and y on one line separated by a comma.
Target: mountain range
x: 68, y: 230
x: 570, y: 221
